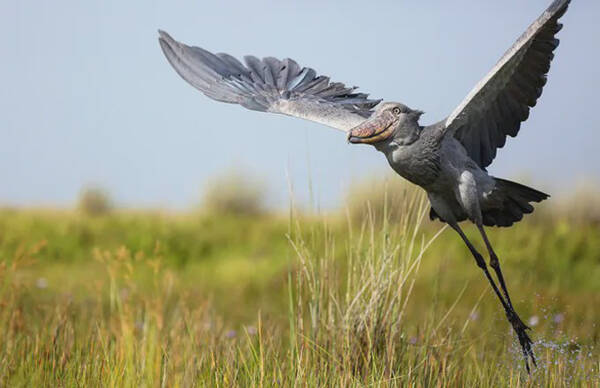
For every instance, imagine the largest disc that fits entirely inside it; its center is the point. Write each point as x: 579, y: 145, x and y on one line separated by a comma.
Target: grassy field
x: 161, y: 299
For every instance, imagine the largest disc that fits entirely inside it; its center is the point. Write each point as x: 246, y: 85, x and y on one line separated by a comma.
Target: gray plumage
x: 269, y: 85
x: 499, y: 103
x: 447, y: 159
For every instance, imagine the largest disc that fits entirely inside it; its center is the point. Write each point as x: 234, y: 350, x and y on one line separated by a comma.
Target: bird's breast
x: 418, y: 163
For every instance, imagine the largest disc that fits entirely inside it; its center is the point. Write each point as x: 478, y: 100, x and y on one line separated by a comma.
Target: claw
x: 524, y: 339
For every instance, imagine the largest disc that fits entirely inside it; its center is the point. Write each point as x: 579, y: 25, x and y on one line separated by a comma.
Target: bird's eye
x: 396, y: 111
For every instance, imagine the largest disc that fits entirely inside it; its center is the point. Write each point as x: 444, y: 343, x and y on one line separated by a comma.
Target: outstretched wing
x: 499, y: 103
x: 269, y: 85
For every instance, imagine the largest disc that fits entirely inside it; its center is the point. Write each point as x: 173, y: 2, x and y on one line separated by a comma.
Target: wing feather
x: 498, y: 104
x: 268, y: 85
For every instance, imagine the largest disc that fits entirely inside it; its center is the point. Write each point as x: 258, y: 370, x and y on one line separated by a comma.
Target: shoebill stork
x: 448, y: 159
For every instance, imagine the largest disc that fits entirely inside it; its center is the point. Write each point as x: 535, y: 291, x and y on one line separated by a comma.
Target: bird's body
x: 456, y: 186
x: 447, y: 159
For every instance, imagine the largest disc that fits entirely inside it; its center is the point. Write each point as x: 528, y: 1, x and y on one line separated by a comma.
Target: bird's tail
x: 508, y: 202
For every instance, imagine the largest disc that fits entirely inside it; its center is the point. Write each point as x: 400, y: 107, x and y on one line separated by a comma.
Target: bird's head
x: 391, y: 121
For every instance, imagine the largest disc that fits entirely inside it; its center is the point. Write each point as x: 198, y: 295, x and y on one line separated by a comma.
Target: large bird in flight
x: 447, y: 159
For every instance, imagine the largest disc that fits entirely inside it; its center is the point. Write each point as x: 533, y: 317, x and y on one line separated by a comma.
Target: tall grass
x: 349, y: 315
x: 356, y: 309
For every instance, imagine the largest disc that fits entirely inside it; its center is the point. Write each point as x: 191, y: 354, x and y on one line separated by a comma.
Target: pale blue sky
x: 87, y: 97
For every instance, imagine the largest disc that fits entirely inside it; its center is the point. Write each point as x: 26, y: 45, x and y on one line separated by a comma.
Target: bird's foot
x: 521, y: 330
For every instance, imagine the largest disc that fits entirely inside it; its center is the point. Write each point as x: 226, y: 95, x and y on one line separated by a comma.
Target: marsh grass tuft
x: 350, y: 312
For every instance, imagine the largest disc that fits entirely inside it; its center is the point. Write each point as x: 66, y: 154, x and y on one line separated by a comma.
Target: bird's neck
x: 408, y: 134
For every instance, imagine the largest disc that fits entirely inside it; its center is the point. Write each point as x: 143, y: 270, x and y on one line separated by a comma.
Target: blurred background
x: 87, y: 97
x: 150, y: 236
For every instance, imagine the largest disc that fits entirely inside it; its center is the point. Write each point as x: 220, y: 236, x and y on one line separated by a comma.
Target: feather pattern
x: 495, y: 108
x: 269, y: 85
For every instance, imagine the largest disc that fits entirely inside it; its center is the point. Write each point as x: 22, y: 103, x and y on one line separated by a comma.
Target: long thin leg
x: 481, y: 264
x: 512, y: 316
x: 495, y: 264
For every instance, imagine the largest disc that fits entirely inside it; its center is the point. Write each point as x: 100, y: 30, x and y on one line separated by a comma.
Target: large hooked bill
x: 372, y: 130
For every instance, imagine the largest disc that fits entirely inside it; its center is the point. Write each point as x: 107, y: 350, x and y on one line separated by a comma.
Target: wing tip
x: 164, y: 35
x: 558, y: 8
x: 167, y: 43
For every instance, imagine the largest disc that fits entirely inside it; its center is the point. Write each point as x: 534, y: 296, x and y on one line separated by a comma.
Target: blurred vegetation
x: 582, y: 206
x: 94, y: 201
x: 235, y: 193
x: 143, y: 298
x: 379, y: 198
